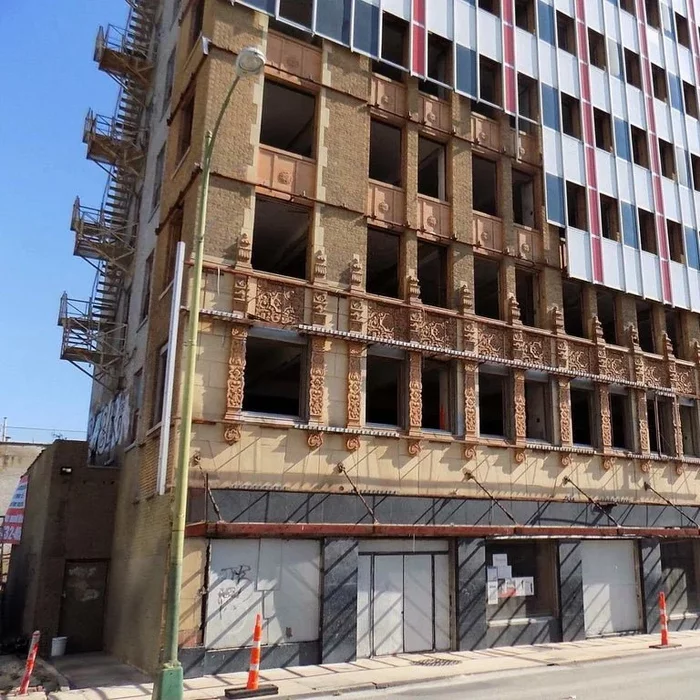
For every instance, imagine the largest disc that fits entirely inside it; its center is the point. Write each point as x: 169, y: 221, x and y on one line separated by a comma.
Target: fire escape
x: 93, y: 334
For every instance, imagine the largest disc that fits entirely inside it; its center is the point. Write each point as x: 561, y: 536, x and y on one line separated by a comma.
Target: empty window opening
x: 196, y: 21
x: 647, y: 231
x: 439, y: 66
x: 653, y: 15
x: 660, y: 420
x: 596, y: 49
x: 273, y: 374
x: 675, y: 241
x: 607, y: 316
x: 691, y: 100
x: 432, y: 158
x: 486, y: 288
x: 492, y: 6
x: 679, y: 571
x: 493, y: 404
x: 640, y: 147
x: 527, y: 294
x: 280, y: 238
x: 146, y: 288
x: 383, y: 260
x: 689, y: 427
x: 174, y: 237
x: 432, y: 273
x: 490, y: 81
x: 668, y: 166
x: 566, y: 33
x: 572, y: 295
x: 682, y: 31
x: 527, y: 97
x: 620, y: 420
x: 484, y: 186
x: 628, y: 6
x: 525, y: 15
x: 385, y: 161
x: 436, y: 379
x: 645, y: 326
x: 576, y: 206
x: 695, y: 164
x: 299, y: 33
x: 674, y: 331
x: 184, y: 137
x: 383, y: 393
x: 394, y: 47
x: 582, y: 402
x: 610, y: 218
x: 658, y: 78
x: 524, y: 199
x: 136, y: 405
x: 288, y: 119
x: 633, y: 71
x: 159, y: 386
x: 297, y: 11
x: 570, y: 115
x: 603, y: 130
x: 538, y: 410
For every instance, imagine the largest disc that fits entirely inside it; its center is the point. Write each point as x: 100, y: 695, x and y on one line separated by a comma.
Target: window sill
x: 180, y: 162
x: 166, y: 290
x: 273, y: 419
x: 155, y: 429
x: 521, y: 621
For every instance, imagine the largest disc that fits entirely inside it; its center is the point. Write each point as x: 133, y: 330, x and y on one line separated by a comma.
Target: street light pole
x: 168, y: 686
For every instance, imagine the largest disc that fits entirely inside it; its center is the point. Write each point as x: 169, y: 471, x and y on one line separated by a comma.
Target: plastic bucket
x: 58, y: 646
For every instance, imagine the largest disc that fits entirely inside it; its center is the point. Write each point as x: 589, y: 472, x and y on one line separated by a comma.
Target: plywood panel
x: 418, y: 603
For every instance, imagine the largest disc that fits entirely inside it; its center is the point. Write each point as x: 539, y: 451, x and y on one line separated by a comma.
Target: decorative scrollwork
x: 314, y: 439
x: 236, y: 369
x: 279, y: 303
x: 352, y: 443
x: 354, y: 388
x: 414, y: 447
x: 232, y: 433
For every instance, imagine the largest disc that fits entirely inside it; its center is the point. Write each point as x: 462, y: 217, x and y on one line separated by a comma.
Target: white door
x: 610, y: 590
x: 388, y: 605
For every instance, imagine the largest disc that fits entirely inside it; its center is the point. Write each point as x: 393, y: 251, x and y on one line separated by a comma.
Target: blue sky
x: 49, y: 81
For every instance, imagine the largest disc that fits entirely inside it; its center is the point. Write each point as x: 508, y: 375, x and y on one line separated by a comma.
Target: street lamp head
x: 250, y: 62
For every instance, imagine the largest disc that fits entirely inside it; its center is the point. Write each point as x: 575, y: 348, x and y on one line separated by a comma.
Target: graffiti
x: 238, y: 576
x: 108, y: 427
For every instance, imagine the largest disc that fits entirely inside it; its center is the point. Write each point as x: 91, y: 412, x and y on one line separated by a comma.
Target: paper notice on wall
x: 505, y: 572
x: 491, y: 573
x: 492, y: 592
x: 499, y: 560
x: 506, y: 588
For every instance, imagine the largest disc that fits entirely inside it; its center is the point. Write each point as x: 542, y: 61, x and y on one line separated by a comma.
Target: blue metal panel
x: 555, y: 200
x: 629, y: 225
x: 691, y: 246
x: 366, y: 32
x: 622, y: 140
x: 546, y: 17
x: 550, y: 107
x: 333, y: 19
x: 466, y: 71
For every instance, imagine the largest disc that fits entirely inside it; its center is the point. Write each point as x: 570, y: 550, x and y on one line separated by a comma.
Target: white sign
x: 14, y: 517
x: 492, y: 592
x: 500, y: 560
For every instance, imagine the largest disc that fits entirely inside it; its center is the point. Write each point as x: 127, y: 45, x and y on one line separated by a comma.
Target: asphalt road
x: 672, y: 674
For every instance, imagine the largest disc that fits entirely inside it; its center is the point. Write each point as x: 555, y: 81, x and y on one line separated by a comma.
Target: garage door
x: 610, y: 588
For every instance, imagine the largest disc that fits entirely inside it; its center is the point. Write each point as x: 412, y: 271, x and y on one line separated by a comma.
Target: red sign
x: 14, y: 517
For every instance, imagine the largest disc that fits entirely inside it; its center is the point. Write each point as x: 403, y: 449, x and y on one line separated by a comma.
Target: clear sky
x: 49, y: 81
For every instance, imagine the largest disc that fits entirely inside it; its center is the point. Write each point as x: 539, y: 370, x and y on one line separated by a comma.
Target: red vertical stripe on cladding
x: 419, y: 11
x: 419, y: 37
x: 511, y: 100
x: 661, y: 235
x: 589, y: 144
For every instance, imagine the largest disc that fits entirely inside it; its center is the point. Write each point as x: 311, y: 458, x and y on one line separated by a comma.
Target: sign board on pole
x: 14, y: 517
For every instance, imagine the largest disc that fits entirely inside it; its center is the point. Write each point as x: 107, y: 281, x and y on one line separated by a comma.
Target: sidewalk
x: 404, y: 669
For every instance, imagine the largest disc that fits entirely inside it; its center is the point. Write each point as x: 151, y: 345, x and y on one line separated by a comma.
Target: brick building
x: 447, y: 382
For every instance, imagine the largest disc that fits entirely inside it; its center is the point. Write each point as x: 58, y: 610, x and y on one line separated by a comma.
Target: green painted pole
x: 169, y: 683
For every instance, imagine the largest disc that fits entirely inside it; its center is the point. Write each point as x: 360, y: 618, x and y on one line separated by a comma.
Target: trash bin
x: 58, y: 646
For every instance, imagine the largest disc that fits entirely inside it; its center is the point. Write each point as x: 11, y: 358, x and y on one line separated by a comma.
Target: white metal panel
x: 625, y: 180
x: 651, y: 274
x: 548, y: 63
x: 635, y: 107
x: 526, y: 52
x: 442, y: 602
x: 552, y: 151
x: 612, y: 26
x: 618, y: 98
x: 670, y: 52
x: 387, y: 604
x: 565, y: 6
x: 679, y: 285
x: 654, y: 43
x: 672, y: 209
x: 465, y: 24
x: 489, y: 35
x: 574, y: 166
x: 439, y: 19
x: 694, y: 279
x: 678, y: 119
x: 633, y: 282
x: 270, y: 565
x: 599, y: 89
x: 663, y: 120
x: 400, y: 8
x: 418, y: 623
x: 685, y: 63
x: 642, y: 188
x: 610, y: 601
x: 605, y: 170
x: 568, y: 72
x: 613, y: 272
x: 409, y: 546
x: 628, y: 26
x: 594, y: 15
x: 693, y: 131
x: 364, y: 605
x: 579, y: 253
x: 687, y: 213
